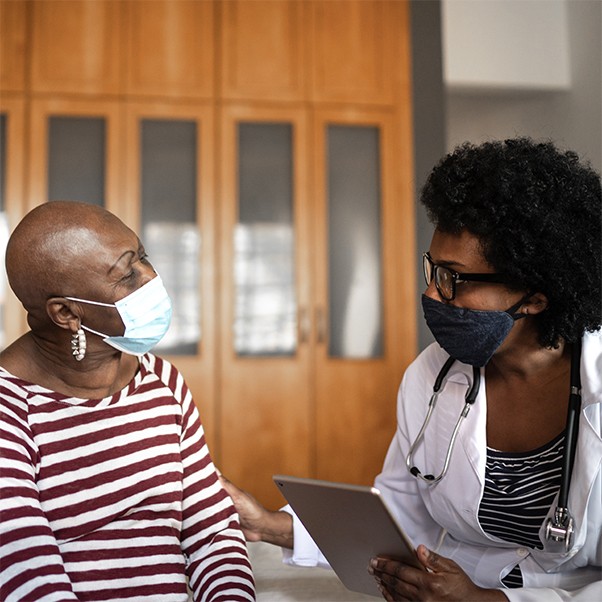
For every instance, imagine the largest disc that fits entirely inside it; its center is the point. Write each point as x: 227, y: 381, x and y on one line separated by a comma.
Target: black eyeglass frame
x: 429, y: 265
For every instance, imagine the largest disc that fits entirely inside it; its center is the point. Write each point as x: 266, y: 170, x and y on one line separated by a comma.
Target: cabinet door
x: 363, y: 301
x: 262, y: 49
x: 75, y: 153
x: 356, y: 46
x: 76, y: 46
x: 12, y: 152
x: 13, y: 38
x: 170, y: 48
x: 265, y: 386
x: 170, y: 199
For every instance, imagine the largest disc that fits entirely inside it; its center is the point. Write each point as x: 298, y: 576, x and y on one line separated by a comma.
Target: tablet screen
x: 350, y: 524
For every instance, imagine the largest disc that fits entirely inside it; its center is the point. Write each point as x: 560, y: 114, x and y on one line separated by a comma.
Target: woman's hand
x: 443, y: 581
x: 258, y: 523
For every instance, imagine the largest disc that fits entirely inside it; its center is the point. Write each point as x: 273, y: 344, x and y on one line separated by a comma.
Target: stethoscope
x: 560, y: 528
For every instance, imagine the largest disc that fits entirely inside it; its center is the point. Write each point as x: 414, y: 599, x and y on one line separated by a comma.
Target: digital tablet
x: 350, y: 524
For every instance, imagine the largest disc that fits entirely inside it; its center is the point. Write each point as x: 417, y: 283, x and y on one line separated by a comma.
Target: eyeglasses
x: 446, y: 279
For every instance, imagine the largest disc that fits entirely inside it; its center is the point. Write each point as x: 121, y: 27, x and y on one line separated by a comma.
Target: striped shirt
x: 114, y: 499
x: 519, y: 491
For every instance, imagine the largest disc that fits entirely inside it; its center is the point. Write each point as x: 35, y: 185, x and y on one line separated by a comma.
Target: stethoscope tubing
x: 471, y: 396
x: 560, y: 528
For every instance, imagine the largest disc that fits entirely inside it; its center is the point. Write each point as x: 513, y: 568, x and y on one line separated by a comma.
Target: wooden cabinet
x: 356, y: 50
x: 177, y: 224
x: 86, y: 165
x: 266, y: 389
x: 13, y: 45
x: 12, y: 192
x: 262, y: 150
x: 320, y: 400
x: 263, y: 50
x: 76, y: 46
x: 170, y: 48
x: 356, y: 377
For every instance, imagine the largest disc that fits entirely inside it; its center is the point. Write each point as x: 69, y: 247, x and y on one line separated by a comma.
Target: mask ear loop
x: 511, y: 311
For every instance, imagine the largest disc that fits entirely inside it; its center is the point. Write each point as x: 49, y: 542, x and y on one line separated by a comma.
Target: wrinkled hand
x: 258, y: 523
x: 443, y: 581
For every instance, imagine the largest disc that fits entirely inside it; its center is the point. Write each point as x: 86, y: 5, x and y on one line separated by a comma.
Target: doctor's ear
x: 534, y: 305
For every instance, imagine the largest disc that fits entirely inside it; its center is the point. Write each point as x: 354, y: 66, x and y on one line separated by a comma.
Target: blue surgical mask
x: 146, y: 314
x: 470, y: 336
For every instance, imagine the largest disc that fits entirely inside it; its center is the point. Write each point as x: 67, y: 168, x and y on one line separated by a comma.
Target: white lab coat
x: 445, y: 515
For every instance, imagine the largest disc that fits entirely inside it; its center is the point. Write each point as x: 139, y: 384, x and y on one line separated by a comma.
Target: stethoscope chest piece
x: 560, y: 529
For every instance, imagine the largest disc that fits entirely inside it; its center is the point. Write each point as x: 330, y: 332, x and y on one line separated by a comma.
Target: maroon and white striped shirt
x: 114, y: 499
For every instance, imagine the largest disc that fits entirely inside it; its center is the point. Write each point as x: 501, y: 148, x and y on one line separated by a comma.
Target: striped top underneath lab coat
x: 519, y: 489
x: 114, y: 499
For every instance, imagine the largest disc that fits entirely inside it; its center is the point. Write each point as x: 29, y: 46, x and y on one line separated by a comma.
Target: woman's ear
x: 534, y: 305
x: 63, y: 313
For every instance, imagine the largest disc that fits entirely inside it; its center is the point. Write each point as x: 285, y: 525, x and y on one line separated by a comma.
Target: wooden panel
x: 41, y: 111
x: 266, y: 408
x: 262, y: 50
x: 355, y: 45
x: 13, y: 33
x: 198, y: 370
x: 355, y: 398
x: 170, y: 48
x: 14, y: 316
x: 76, y: 46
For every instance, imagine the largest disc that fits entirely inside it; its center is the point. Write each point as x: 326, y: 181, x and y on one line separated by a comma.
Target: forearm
x: 276, y: 528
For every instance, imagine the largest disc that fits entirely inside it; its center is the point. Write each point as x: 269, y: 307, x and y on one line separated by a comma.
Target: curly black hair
x: 537, y: 213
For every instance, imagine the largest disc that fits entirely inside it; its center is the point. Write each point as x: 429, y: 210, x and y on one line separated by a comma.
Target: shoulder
x: 167, y: 374
x: 427, y: 365
x: 592, y: 344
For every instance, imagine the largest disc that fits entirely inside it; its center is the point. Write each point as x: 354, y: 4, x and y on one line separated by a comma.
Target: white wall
x: 506, y: 44
x: 569, y: 114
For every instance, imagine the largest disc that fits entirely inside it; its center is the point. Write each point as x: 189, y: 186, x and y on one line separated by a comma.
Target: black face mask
x: 470, y: 336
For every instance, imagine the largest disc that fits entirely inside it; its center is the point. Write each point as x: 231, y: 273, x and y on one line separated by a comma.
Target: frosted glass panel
x: 76, y: 159
x: 265, y: 313
x: 354, y: 239
x: 170, y: 232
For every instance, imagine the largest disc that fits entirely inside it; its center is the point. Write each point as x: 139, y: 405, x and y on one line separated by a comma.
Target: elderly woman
x: 514, y: 302
x: 109, y: 492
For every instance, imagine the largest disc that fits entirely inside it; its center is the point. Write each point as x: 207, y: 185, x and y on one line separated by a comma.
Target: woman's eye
x: 129, y: 275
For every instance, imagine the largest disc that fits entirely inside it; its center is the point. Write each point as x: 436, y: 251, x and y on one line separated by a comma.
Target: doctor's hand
x: 443, y: 581
x: 258, y: 523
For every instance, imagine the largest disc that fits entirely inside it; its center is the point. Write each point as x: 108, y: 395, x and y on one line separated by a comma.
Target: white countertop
x: 277, y: 582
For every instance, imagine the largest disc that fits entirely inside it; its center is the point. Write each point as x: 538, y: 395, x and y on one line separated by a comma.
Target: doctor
x: 503, y: 493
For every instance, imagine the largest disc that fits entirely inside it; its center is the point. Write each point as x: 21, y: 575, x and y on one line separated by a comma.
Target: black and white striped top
x: 519, y: 490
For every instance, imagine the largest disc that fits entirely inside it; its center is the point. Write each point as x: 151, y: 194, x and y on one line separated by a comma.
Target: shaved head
x: 51, y: 250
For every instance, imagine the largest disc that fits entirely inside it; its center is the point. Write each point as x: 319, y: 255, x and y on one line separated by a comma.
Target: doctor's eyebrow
x: 447, y: 263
